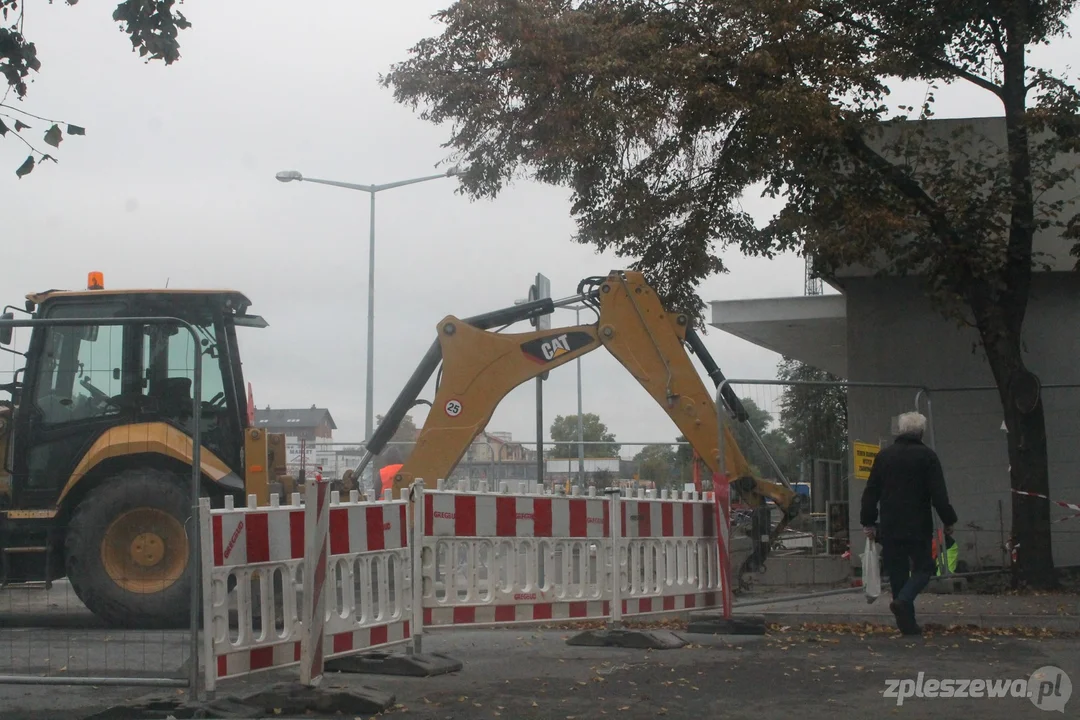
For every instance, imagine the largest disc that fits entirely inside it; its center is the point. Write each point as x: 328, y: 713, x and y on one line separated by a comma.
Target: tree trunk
x: 1000, y: 311
x: 1029, y: 469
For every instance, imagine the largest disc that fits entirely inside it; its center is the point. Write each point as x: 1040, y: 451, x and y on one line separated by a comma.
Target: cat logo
x: 546, y: 349
x: 555, y: 348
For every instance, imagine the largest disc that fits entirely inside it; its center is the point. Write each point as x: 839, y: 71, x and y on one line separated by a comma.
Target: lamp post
x: 290, y: 175
x: 580, y: 422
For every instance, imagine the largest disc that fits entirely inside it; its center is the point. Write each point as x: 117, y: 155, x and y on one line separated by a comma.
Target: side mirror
x: 6, y: 332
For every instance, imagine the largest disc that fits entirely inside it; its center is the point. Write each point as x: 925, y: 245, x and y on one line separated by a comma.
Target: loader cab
x: 81, y: 381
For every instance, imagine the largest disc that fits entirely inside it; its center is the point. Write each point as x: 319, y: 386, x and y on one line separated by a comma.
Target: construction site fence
x: 297, y: 584
x: 47, y: 635
x: 824, y: 434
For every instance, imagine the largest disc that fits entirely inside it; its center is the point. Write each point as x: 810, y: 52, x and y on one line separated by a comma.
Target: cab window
x: 169, y: 362
x: 82, y: 368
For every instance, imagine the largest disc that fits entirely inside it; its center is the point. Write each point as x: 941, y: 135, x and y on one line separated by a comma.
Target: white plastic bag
x: 871, y: 572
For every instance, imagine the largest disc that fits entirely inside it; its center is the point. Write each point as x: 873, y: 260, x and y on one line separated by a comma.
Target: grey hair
x: 912, y: 423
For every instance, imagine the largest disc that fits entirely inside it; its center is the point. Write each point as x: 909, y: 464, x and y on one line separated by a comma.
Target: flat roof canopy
x: 812, y: 329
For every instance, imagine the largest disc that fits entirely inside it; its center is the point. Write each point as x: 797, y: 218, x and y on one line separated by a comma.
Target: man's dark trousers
x: 909, y: 564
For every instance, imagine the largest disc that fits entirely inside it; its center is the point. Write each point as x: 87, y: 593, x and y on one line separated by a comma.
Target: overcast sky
x: 174, y: 182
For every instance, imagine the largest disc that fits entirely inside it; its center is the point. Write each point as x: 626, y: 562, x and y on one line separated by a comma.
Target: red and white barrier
x: 496, y: 558
x: 668, y: 553
x: 370, y: 562
x: 262, y: 551
x: 331, y: 579
x: 364, y: 587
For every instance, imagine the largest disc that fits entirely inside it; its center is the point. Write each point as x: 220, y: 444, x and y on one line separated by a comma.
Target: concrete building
x: 884, y: 330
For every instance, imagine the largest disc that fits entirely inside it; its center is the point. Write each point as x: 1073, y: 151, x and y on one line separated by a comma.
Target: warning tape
x: 1067, y: 506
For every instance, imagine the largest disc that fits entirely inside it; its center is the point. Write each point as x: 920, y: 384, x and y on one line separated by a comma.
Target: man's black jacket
x: 907, y: 480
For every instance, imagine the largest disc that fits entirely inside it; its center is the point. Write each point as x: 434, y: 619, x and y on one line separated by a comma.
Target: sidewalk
x: 1054, y: 612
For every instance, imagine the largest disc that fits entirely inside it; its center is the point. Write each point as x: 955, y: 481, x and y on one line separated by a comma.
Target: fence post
x: 416, y: 537
x: 316, y: 562
x: 206, y: 562
x: 722, y: 497
x: 615, y: 522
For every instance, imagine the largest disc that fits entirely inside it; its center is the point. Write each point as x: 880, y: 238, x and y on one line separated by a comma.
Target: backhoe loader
x: 480, y: 366
x: 97, y: 448
x: 96, y: 439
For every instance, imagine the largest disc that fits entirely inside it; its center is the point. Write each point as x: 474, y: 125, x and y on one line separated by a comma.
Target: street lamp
x: 290, y: 175
x: 580, y: 422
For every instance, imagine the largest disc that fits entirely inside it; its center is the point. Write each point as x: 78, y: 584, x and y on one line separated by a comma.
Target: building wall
x: 895, y: 336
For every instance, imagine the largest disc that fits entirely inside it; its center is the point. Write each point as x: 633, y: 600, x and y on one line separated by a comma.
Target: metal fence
x: 821, y: 437
x: 47, y: 633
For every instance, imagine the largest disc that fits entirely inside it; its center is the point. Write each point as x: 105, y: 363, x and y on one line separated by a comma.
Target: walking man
x: 906, y: 480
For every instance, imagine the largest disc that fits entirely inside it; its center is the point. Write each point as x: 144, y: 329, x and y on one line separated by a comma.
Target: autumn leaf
x: 75, y: 130
x: 20, y: 126
x: 53, y: 136
x: 26, y: 168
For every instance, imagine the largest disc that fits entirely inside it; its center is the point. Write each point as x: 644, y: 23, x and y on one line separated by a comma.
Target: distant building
x: 497, y: 447
x: 309, y: 435
x: 311, y: 424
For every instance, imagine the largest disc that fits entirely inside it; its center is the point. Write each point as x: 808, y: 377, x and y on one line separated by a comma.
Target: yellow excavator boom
x: 479, y: 368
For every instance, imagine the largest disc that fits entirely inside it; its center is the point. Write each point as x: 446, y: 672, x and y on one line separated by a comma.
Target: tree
x: 775, y: 441
x: 659, y: 464
x: 152, y: 26
x: 661, y: 115
x: 564, y: 433
x: 813, y: 416
x: 406, y: 433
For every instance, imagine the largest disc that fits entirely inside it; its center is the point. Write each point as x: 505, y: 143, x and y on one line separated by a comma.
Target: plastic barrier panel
x: 369, y: 580
x: 493, y: 558
x: 669, y: 553
x: 252, y: 566
x: 253, y: 582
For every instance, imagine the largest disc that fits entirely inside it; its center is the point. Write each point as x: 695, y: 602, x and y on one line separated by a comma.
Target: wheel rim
x: 145, y: 550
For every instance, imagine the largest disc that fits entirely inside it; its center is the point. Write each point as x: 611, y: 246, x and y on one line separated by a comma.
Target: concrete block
x: 296, y: 699
x: 378, y: 663
x: 636, y: 639
x: 804, y: 570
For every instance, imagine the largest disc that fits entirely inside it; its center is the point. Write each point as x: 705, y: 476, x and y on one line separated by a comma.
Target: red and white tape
x: 1066, y: 505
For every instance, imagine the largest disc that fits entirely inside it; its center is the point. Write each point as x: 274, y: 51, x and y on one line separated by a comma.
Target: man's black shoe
x: 904, y: 612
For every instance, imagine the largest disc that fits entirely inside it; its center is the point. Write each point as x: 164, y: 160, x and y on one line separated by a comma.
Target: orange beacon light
x: 95, y: 281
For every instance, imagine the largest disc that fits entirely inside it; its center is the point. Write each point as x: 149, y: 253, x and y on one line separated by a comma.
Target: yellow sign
x: 864, y: 459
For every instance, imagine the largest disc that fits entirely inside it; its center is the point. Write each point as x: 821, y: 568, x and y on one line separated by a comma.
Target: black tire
x: 142, y: 488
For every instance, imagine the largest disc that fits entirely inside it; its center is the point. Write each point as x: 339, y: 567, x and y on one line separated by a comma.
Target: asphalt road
x: 533, y: 674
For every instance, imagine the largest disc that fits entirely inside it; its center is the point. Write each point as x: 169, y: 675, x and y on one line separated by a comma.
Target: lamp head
x: 289, y: 176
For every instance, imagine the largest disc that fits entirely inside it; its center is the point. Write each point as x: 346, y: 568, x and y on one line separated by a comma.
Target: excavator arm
x: 480, y: 367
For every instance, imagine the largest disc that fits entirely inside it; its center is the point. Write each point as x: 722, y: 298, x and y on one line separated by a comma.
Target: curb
x: 1054, y: 623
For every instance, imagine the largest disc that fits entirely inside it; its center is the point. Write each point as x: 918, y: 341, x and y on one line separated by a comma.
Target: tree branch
x: 932, y: 59
x: 912, y: 190
x: 30, y: 114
